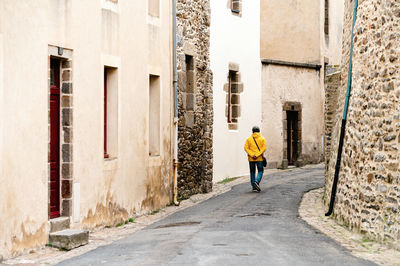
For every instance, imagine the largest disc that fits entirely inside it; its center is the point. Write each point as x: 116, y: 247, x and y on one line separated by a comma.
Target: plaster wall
x: 234, y: 39
x: 111, y: 190
x: 333, y: 48
x: 289, y: 31
x: 289, y: 84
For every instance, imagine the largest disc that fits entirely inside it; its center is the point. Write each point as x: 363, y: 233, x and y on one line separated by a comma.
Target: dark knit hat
x: 256, y: 129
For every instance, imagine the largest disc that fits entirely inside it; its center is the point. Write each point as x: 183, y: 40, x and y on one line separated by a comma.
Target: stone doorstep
x: 59, y: 224
x: 69, y: 239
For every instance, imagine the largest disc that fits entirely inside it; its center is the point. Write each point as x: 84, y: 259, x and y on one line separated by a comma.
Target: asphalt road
x: 236, y: 228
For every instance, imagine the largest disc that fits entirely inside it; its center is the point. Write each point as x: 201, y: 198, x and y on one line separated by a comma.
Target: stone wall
x: 332, y: 84
x: 368, y: 191
x: 194, y: 98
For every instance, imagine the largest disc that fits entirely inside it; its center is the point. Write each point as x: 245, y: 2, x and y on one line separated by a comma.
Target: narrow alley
x: 234, y: 228
x: 129, y: 130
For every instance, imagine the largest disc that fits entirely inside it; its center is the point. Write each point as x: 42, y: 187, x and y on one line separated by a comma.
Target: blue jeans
x: 260, y: 169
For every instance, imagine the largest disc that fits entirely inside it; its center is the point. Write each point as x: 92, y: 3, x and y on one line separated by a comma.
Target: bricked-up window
x: 154, y: 115
x: 233, y: 89
x: 110, y: 112
x: 326, y: 26
x: 154, y: 8
x: 236, y: 6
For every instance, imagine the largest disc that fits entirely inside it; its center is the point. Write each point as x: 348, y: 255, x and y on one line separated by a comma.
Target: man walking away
x: 255, y: 147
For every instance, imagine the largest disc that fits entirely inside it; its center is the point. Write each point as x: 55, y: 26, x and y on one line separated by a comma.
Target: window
x: 326, y: 28
x: 154, y: 115
x: 110, y: 112
x: 233, y: 89
x: 154, y: 8
x: 189, y: 91
x: 231, y: 78
x: 236, y: 6
x: 105, y: 114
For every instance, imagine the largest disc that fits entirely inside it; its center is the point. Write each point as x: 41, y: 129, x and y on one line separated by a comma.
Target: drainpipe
x: 175, y: 84
x: 344, y: 119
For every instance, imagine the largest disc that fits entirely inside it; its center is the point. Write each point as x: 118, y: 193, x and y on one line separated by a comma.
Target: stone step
x: 69, y: 239
x: 59, y: 224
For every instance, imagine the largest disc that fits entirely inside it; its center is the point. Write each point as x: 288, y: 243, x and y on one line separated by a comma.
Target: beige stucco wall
x: 110, y: 190
x: 282, y: 84
x: 293, y: 32
x: 23, y: 192
x: 333, y: 48
x: 289, y: 30
x: 239, y: 46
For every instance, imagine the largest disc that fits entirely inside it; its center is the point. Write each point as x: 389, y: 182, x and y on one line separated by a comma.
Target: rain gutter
x: 175, y: 85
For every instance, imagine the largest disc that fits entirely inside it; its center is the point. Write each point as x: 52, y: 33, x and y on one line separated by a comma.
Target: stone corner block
x: 233, y: 66
x: 236, y: 87
x: 232, y: 126
x: 189, y: 48
x: 189, y: 119
x: 59, y: 224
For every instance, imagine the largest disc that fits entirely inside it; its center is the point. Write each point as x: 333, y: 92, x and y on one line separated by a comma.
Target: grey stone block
x: 69, y: 239
x: 67, y: 117
x: 67, y: 153
x: 189, y: 119
x: 59, y: 224
x: 190, y: 98
x: 284, y: 164
x: 66, y: 87
x: 233, y: 66
x: 236, y: 87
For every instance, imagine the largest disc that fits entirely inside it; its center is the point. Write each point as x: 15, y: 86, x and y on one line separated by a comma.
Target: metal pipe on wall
x: 344, y: 119
x: 175, y: 85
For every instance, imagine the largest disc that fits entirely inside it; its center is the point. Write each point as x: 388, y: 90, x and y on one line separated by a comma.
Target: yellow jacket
x: 251, y: 148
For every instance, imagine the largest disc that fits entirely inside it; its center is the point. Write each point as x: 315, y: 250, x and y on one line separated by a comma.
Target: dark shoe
x: 255, y: 190
x: 257, y: 186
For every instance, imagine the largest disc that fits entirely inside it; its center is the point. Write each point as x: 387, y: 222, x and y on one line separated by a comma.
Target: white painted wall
x: 235, y: 39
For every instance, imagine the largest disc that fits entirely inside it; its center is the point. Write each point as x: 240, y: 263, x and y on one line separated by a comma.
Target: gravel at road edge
x: 312, y: 211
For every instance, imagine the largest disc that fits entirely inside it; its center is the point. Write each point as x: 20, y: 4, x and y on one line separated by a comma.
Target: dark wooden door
x: 292, y: 136
x: 54, y: 138
x: 289, y: 137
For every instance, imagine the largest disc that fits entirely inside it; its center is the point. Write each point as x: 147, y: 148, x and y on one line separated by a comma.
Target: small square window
x: 236, y: 6
x: 154, y: 115
x: 110, y: 112
x: 154, y: 8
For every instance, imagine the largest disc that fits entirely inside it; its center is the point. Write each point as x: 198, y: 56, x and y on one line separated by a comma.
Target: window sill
x: 153, y: 20
x: 110, y: 5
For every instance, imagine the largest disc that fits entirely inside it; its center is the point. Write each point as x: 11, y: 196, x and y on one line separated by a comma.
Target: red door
x: 54, y: 138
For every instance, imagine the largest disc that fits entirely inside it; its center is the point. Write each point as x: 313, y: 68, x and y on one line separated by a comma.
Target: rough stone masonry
x: 368, y: 194
x: 195, y: 100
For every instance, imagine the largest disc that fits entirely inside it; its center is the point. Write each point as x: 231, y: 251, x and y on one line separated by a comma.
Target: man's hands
x: 254, y: 157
